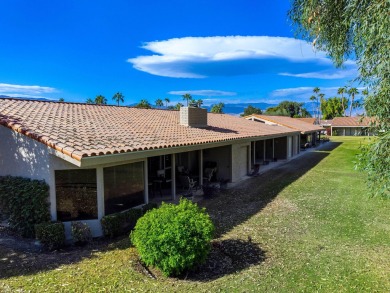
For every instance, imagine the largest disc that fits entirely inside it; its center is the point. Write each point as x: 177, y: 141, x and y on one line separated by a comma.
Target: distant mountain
x: 26, y: 98
x: 236, y: 109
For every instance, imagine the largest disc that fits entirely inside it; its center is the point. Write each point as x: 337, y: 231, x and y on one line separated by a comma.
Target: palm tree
x: 316, y: 90
x: 178, y: 106
x: 217, y: 108
x: 188, y: 98
x: 199, y: 103
x: 356, y: 105
x: 144, y: 104
x: 313, y: 99
x: 90, y: 101
x: 119, y: 98
x: 352, y: 92
x: 341, y: 91
x: 159, y: 103
x: 100, y: 100
x: 167, y: 100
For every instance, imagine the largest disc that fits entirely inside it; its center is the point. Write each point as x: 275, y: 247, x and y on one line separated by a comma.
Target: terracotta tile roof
x: 351, y: 121
x: 82, y: 130
x: 307, y: 120
x: 289, y: 122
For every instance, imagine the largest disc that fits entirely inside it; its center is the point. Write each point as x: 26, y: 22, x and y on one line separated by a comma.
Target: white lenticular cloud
x: 206, y: 93
x: 234, y: 47
x: 200, y: 57
x: 12, y: 89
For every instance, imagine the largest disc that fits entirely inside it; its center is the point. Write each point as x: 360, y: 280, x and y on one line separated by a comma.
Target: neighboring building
x: 99, y: 160
x: 324, y: 123
x: 351, y: 126
x: 309, y: 132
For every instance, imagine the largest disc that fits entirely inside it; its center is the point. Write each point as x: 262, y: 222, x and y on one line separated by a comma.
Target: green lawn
x: 296, y: 230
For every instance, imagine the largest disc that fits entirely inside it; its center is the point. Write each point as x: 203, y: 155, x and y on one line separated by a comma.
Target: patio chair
x: 255, y: 170
x: 209, y: 173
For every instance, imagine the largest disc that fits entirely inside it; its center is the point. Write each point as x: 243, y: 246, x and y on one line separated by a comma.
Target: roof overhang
x: 137, y: 155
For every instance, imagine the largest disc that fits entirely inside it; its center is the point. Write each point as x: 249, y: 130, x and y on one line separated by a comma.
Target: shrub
x: 51, y: 235
x: 81, y: 233
x: 25, y: 202
x: 173, y: 238
x: 112, y: 225
x: 120, y: 223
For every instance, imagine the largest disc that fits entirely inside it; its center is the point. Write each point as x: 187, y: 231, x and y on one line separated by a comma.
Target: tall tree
x: 118, y: 98
x: 352, y: 92
x: 178, y: 106
x: 167, y: 101
x: 288, y: 108
x: 90, y: 101
x: 316, y: 90
x: 331, y: 108
x: 144, y: 104
x: 100, y: 100
x: 358, y: 29
x: 251, y: 110
x: 341, y: 91
x: 217, y: 108
x: 159, y: 103
x: 199, y: 103
x: 188, y: 98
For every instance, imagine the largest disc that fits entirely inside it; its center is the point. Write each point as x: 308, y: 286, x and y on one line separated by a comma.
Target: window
x: 76, y: 194
x: 123, y: 187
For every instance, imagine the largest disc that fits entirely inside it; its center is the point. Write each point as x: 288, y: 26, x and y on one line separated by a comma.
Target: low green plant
x: 51, y: 235
x: 120, y: 223
x: 173, y: 238
x: 81, y: 233
x: 24, y: 202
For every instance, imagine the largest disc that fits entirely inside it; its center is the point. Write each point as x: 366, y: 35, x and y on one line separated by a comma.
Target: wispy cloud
x: 205, y: 93
x: 24, y: 90
x: 326, y: 74
x: 301, y: 94
x: 200, y: 57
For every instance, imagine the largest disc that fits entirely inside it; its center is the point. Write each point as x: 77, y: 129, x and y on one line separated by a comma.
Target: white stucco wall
x: 28, y: 158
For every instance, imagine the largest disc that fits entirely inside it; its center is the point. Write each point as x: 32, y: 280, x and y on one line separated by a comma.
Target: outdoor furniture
x: 209, y: 173
x: 255, y: 170
x: 157, y: 183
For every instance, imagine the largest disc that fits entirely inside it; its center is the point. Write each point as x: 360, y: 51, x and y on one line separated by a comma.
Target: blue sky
x: 231, y: 51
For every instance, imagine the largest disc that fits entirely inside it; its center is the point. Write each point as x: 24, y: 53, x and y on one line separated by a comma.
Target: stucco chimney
x: 193, y: 117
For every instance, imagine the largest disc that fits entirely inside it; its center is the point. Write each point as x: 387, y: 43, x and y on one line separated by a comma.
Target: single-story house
x: 309, y: 133
x: 351, y: 126
x: 99, y: 160
x: 324, y: 123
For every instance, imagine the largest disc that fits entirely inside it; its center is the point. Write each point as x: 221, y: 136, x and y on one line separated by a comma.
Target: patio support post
x: 173, y: 175
x: 100, y: 191
x: 254, y: 152
x: 146, y: 181
x: 273, y: 148
x: 264, y: 150
x: 248, y: 159
x: 200, y: 167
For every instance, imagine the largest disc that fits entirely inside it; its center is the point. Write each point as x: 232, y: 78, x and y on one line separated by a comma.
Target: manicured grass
x: 312, y: 230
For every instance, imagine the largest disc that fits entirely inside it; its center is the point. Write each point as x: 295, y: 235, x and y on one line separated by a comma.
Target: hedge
x: 24, y: 202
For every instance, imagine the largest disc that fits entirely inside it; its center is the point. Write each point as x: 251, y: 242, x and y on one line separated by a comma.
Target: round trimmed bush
x: 173, y: 238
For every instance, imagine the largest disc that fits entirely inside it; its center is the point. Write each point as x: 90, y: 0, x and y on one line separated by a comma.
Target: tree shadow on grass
x: 227, y: 257
x: 236, y: 205
x: 16, y: 262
